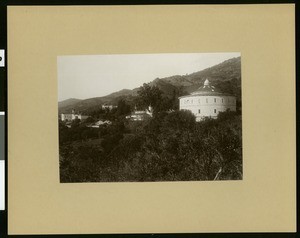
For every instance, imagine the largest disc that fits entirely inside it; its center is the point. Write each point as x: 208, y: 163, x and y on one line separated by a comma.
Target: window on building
x: 215, y: 110
x: 215, y: 100
x: 198, y: 100
x: 199, y: 111
x: 206, y: 100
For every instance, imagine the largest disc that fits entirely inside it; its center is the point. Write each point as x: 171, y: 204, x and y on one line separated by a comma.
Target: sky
x: 88, y: 76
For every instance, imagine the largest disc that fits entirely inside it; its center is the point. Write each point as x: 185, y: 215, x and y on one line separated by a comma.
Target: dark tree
x: 149, y: 96
x: 123, y: 108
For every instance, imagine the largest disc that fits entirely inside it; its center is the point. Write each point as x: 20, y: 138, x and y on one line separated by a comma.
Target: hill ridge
x: 226, y: 76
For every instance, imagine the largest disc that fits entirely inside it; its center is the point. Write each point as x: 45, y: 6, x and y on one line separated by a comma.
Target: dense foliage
x: 170, y: 146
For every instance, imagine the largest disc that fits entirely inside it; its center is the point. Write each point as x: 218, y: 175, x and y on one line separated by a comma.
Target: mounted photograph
x: 150, y: 117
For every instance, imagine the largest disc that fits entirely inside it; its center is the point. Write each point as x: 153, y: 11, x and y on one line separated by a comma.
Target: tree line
x: 170, y: 146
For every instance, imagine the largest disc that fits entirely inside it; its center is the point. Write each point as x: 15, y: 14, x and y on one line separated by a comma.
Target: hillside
x: 228, y: 72
x: 68, y: 102
x: 225, y: 76
x: 95, y: 103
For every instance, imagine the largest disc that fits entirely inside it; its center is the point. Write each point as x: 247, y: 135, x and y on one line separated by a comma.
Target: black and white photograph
x: 150, y: 117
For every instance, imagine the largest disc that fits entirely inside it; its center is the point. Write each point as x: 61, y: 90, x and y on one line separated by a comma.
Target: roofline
x: 209, y: 94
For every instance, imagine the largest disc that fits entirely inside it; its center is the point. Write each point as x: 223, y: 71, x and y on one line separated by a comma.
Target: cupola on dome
x: 206, y: 82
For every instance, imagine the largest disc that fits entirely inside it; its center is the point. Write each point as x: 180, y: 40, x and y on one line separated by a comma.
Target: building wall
x: 66, y: 117
x: 207, y: 106
x: 76, y: 116
x: 71, y: 117
x: 110, y: 107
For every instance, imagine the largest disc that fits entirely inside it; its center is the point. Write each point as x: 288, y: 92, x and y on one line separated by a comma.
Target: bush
x: 167, y: 147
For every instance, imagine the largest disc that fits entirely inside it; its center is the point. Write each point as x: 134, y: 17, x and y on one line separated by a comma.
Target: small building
x: 109, y: 107
x: 100, y: 123
x: 207, y: 101
x: 72, y: 116
x: 140, y: 115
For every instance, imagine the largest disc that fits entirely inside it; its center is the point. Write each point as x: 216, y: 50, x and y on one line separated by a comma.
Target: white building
x: 207, y: 101
x: 72, y: 116
x: 100, y: 123
x: 110, y: 107
x: 140, y: 115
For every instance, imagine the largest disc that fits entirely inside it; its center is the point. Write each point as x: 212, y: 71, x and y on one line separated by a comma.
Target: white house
x: 110, y: 107
x: 140, y: 115
x: 72, y: 116
x: 207, y: 101
x: 100, y: 123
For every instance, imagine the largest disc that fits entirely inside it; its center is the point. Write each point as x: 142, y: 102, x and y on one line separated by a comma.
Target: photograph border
x: 216, y: 235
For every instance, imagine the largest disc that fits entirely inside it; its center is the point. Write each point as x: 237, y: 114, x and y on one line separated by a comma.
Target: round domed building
x: 207, y: 101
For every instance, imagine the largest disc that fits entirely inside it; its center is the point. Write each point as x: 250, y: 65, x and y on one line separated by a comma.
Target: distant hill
x: 95, y: 103
x: 219, y: 75
x: 68, y: 102
x: 123, y: 92
x: 225, y: 76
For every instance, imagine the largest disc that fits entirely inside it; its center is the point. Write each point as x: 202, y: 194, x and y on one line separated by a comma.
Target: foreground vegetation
x: 167, y: 147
